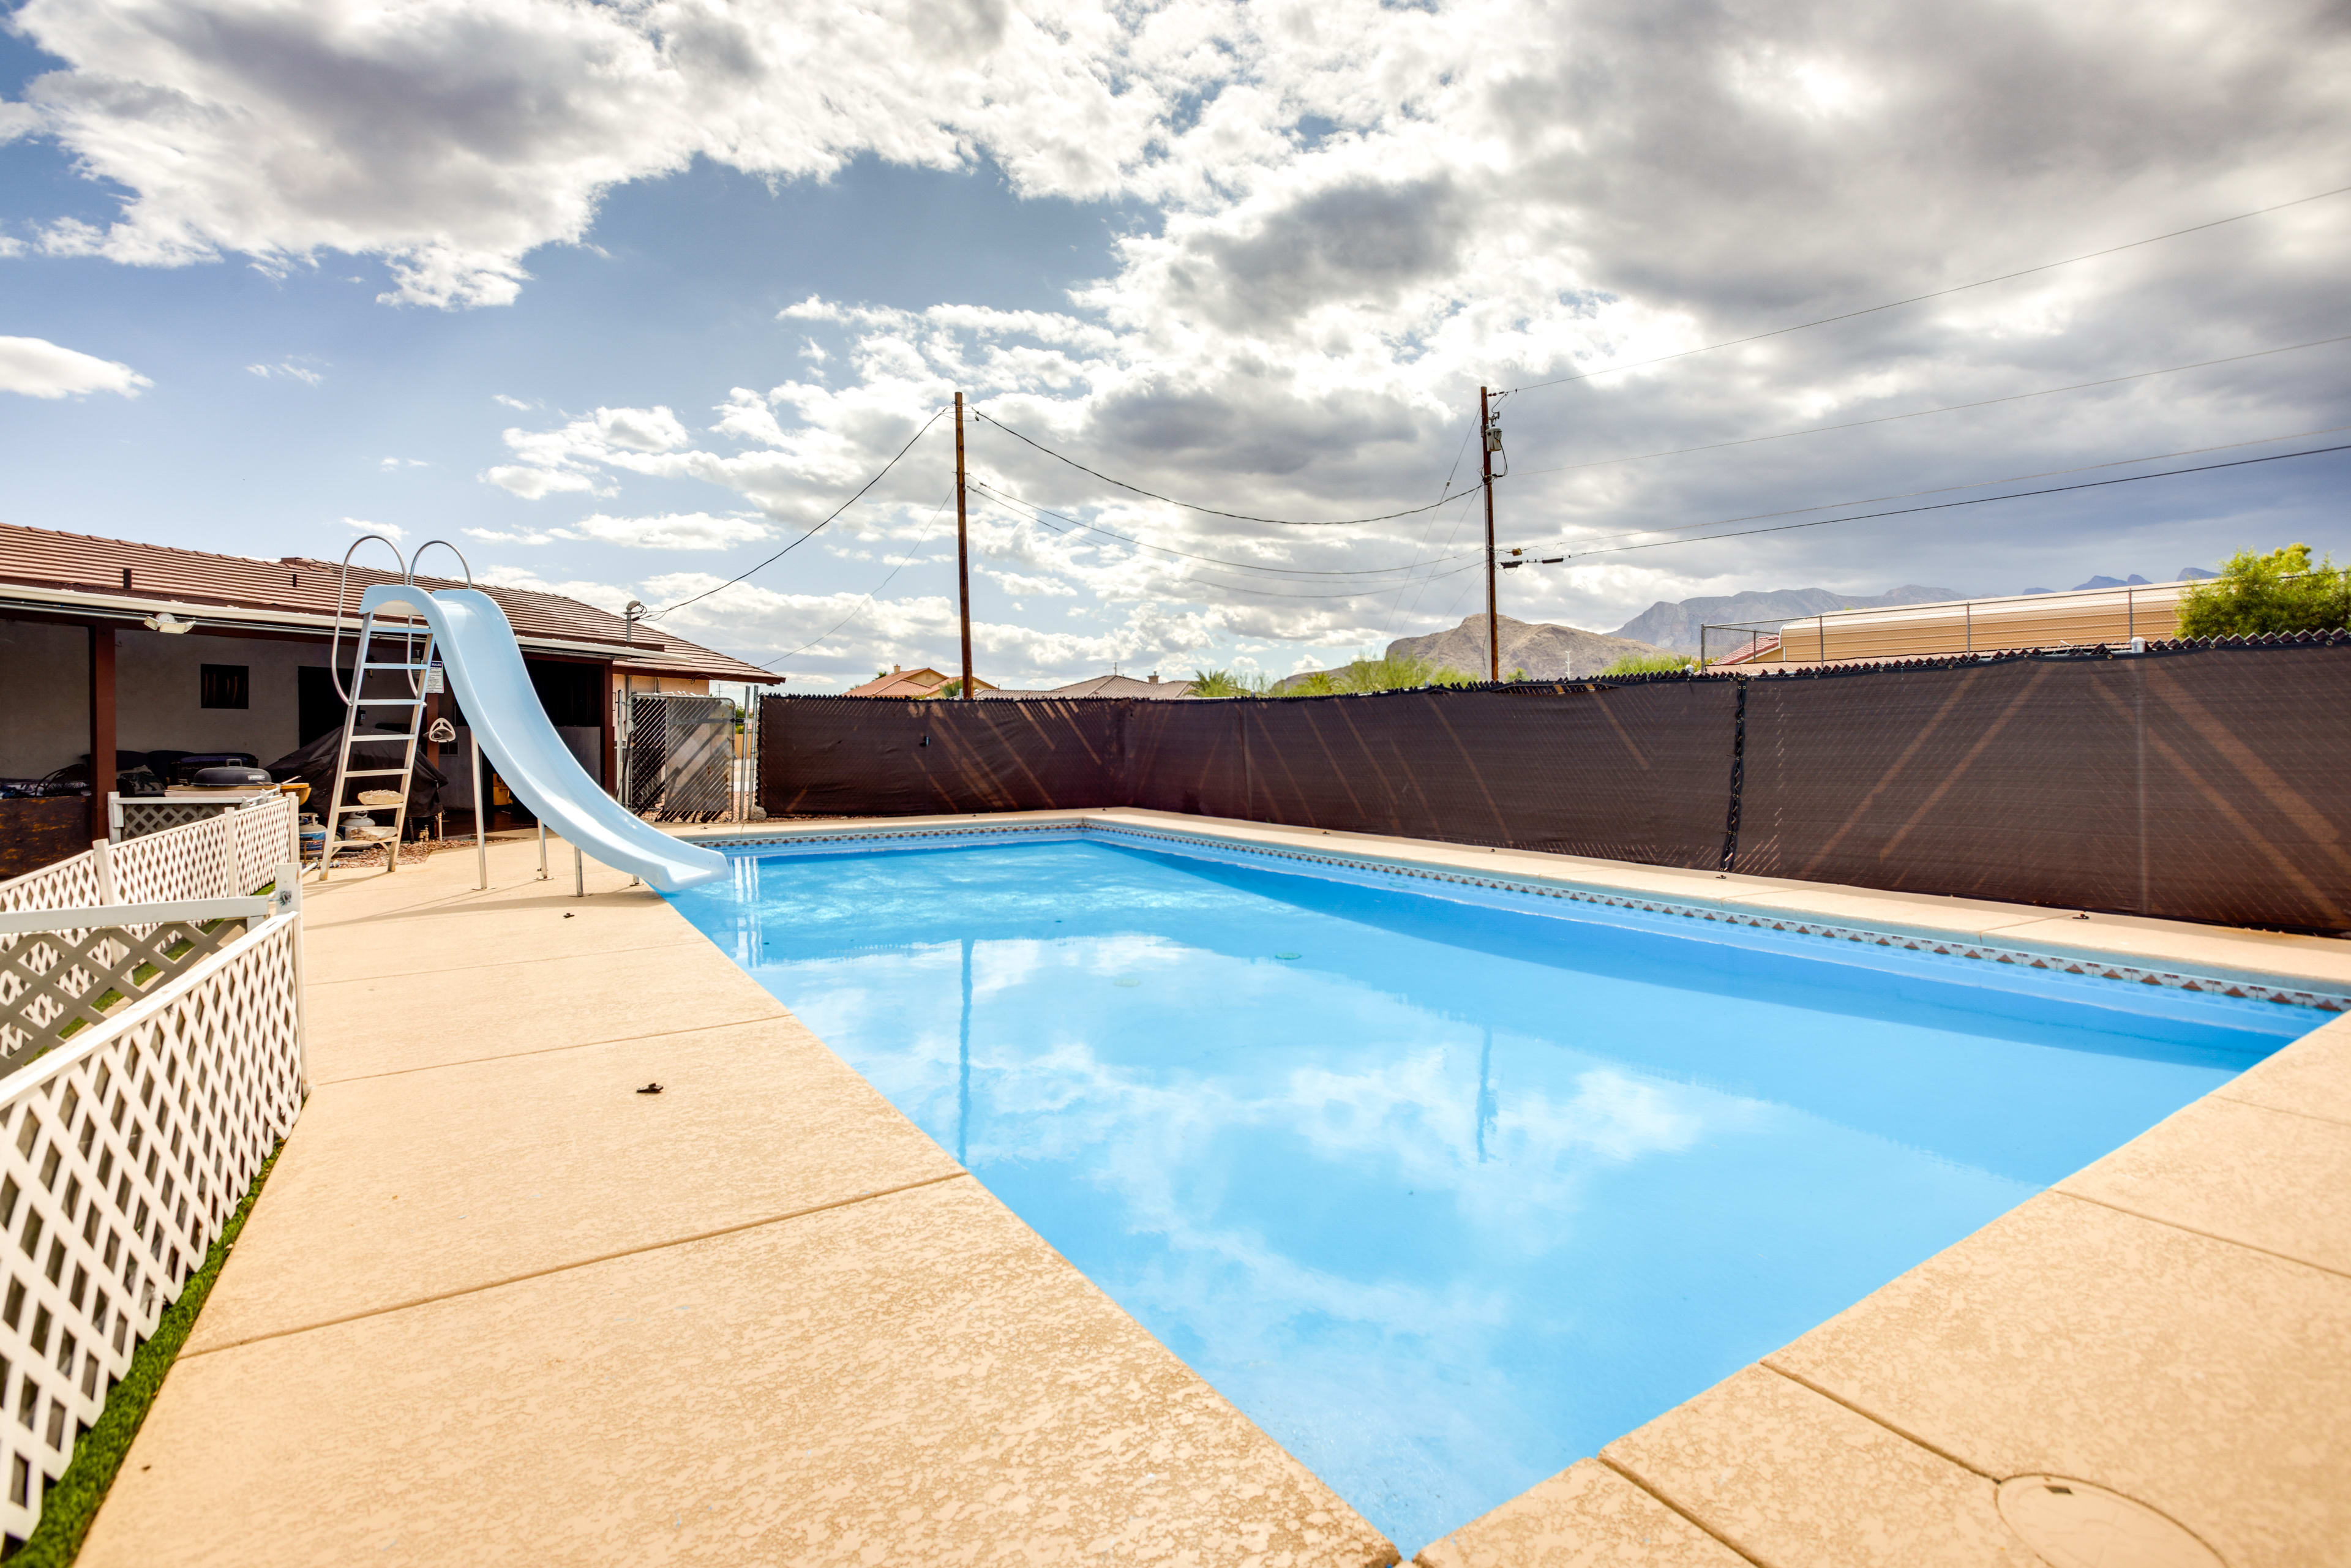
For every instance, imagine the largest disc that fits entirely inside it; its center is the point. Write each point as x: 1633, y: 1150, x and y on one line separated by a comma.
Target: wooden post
x: 608, y: 723
x: 101, y: 726
x: 1486, y: 468
x: 963, y: 561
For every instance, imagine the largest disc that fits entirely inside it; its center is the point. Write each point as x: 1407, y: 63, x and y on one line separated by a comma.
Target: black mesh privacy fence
x: 2194, y: 781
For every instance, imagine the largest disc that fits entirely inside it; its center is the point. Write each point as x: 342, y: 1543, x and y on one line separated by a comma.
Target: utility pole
x: 962, y: 559
x: 1485, y: 460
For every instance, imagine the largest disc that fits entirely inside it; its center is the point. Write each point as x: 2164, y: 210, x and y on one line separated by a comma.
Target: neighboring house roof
x: 2079, y: 619
x: 1122, y: 686
x: 924, y: 681
x: 43, y: 569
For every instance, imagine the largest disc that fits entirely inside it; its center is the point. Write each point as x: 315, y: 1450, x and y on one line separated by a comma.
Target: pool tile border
x: 1760, y: 919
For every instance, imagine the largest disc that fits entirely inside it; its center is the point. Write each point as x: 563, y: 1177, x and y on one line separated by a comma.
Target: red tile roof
x: 124, y: 574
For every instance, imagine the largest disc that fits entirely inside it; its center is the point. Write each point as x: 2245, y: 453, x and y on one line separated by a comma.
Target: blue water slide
x: 486, y: 669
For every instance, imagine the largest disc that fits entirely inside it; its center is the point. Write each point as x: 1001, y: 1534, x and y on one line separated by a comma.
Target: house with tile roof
x: 916, y: 684
x: 112, y: 650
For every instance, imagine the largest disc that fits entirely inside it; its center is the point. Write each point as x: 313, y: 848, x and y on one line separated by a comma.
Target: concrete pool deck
x: 497, y: 1306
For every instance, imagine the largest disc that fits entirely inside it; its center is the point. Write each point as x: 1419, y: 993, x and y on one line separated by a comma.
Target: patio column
x: 101, y: 726
x: 610, y: 738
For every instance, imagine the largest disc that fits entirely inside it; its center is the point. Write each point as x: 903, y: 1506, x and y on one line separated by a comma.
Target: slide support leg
x: 481, y: 823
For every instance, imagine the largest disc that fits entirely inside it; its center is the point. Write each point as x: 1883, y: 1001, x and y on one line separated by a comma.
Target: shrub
x: 1395, y: 673
x: 1649, y: 664
x: 1226, y: 684
x: 2280, y: 591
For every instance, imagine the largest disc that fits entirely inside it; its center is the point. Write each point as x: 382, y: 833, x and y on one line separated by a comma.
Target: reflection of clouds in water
x: 1159, y: 1135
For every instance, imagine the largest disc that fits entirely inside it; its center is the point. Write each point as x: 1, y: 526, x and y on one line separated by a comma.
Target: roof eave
x: 136, y: 607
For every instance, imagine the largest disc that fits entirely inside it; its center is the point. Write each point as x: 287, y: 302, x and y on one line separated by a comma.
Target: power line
x: 1397, y: 612
x: 1211, y: 511
x: 1947, y: 505
x: 812, y: 532
x: 863, y: 604
x: 1212, y: 560
x: 1244, y: 588
x: 1970, y: 485
x: 1948, y: 408
x: 1935, y: 293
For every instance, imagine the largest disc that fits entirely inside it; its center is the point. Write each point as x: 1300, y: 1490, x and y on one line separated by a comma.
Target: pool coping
x: 2225, y: 1231
x: 2266, y: 966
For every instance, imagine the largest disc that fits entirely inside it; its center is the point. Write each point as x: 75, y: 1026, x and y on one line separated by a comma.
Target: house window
x: 227, y: 685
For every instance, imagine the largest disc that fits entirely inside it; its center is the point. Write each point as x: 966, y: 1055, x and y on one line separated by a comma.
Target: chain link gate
x: 688, y: 758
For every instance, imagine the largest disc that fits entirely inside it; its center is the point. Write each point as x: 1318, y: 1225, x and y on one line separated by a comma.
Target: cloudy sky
x: 625, y: 297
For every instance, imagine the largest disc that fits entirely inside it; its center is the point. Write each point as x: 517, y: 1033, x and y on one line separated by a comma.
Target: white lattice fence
x: 55, y: 982
x: 224, y: 856
x: 265, y: 838
x: 65, y: 884
x: 121, y: 1155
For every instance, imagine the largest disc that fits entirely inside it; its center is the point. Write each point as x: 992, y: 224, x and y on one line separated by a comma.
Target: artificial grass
x: 71, y: 1505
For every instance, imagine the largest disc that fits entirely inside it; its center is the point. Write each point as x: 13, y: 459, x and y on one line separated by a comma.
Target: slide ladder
x: 483, y: 667
x: 365, y: 747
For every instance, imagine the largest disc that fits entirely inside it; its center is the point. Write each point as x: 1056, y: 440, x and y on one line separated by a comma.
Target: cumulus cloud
x: 391, y: 531
x: 673, y: 531
x: 676, y: 530
x: 294, y: 372
x: 1356, y: 214
x: 532, y: 482
x: 36, y: 367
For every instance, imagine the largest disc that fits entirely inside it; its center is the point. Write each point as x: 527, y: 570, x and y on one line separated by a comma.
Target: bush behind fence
x: 2194, y: 781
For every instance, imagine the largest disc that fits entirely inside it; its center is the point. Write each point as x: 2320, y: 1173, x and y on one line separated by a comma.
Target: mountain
x: 2133, y: 580
x: 1544, y: 651
x: 2188, y: 573
x: 1676, y: 626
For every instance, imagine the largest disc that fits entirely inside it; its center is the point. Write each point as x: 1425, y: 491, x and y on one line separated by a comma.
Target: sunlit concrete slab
x: 1587, y: 1516
x: 1784, y: 1475
x: 912, y: 1379
x: 2207, y: 1381
x: 411, y: 1185
x: 2132, y: 939
x: 2312, y: 1079
x: 2273, y: 1179
x: 439, y: 935
x: 535, y: 1002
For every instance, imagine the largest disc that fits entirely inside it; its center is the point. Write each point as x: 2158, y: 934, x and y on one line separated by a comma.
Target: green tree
x: 1649, y: 664
x: 1226, y: 684
x: 2280, y: 591
x: 1395, y: 672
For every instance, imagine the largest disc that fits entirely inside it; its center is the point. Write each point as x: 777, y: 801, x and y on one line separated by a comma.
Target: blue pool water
x: 1448, y: 1188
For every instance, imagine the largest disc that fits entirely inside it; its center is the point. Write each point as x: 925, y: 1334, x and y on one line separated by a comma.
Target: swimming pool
x: 1447, y: 1187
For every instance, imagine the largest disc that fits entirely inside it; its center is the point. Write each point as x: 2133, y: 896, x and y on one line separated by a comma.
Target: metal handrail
x: 445, y: 545
x: 343, y: 587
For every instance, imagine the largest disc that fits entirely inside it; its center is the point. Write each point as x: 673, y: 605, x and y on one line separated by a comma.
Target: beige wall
x: 44, y: 697
x: 158, y: 692
x: 650, y: 685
